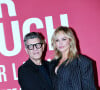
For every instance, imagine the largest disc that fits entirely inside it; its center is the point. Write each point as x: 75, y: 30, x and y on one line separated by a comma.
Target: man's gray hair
x: 33, y: 35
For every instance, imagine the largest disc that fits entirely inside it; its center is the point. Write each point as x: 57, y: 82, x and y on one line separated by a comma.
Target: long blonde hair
x: 73, y: 52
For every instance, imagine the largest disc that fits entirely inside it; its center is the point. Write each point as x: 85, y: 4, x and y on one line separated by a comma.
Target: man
x: 34, y: 73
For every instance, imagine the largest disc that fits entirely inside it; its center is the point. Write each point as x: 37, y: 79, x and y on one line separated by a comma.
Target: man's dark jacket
x: 30, y: 78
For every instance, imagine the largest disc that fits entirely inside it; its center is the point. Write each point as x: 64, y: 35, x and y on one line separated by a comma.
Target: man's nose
x: 34, y: 47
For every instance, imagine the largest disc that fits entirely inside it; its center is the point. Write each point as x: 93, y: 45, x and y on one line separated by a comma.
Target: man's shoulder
x: 24, y: 66
x: 45, y: 62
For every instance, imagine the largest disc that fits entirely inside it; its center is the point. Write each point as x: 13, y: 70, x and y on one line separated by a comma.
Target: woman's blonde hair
x: 73, y: 52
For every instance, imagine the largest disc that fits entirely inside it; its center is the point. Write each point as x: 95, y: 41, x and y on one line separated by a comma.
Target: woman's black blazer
x: 77, y: 75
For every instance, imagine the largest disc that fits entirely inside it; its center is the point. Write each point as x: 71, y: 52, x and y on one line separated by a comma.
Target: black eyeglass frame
x: 35, y: 46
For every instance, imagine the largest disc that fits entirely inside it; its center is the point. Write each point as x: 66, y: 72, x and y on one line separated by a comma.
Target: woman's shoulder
x: 53, y: 63
x: 84, y: 60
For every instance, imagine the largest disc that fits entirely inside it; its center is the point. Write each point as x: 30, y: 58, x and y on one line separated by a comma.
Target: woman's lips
x: 61, y: 47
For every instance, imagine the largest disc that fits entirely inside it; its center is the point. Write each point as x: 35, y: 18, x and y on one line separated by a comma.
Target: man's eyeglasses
x: 37, y: 46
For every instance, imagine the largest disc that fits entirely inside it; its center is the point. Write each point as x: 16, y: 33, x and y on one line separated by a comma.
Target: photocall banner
x: 19, y: 17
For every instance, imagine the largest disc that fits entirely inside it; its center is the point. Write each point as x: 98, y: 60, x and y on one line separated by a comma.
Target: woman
x: 69, y: 69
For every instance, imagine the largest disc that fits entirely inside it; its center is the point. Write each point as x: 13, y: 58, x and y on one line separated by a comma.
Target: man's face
x: 34, y: 49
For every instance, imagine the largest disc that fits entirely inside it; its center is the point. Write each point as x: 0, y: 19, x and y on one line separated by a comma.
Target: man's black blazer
x: 30, y: 78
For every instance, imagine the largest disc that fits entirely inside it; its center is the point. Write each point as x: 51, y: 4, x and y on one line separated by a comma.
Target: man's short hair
x: 33, y: 35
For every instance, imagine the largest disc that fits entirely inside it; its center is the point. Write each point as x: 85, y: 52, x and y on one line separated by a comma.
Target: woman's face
x: 62, y: 42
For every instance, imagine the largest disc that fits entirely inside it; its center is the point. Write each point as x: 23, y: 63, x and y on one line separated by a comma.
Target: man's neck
x: 37, y: 62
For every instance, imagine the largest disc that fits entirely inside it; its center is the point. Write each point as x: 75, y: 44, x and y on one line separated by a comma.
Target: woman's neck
x: 65, y: 55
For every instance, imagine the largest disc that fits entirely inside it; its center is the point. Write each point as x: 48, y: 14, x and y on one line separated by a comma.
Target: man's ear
x: 43, y: 46
x: 26, y: 50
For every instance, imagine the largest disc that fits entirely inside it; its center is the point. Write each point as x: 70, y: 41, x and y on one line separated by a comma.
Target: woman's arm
x: 87, y: 75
